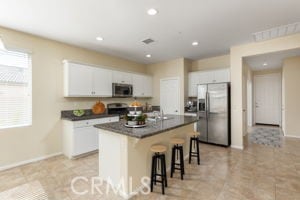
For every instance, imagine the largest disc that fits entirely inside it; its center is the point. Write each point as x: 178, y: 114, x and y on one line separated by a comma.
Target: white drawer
x: 92, y: 122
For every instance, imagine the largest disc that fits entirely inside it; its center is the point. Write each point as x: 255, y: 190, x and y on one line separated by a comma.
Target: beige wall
x: 267, y: 71
x: 169, y: 69
x: 291, y: 109
x: 187, y: 68
x: 236, y: 55
x: 211, y: 63
x: 44, y: 136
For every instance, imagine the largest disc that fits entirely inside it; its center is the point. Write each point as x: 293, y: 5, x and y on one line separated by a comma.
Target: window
x: 15, y: 89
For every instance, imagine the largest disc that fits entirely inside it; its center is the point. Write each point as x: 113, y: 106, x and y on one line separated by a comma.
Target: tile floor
x: 257, y: 173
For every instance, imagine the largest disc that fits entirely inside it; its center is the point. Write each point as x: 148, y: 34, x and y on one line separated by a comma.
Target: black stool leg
x: 162, y: 174
x: 198, y: 151
x: 173, y: 162
x: 152, y: 173
x: 181, y: 162
x: 190, y: 153
x: 165, y: 170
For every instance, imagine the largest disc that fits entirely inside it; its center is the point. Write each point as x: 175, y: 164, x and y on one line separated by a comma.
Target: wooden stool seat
x: 194, y: 134
x: 177, y: 141
x: 158, y: 148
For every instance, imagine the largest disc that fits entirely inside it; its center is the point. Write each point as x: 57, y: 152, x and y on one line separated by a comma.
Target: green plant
x: 128, y: 118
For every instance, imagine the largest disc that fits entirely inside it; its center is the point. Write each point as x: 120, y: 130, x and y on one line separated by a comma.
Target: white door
x: 170, y: 96
x: 102, y: 82
x: 267, y: 99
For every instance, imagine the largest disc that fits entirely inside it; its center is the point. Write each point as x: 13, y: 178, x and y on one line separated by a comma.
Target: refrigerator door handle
x: 207, y: 104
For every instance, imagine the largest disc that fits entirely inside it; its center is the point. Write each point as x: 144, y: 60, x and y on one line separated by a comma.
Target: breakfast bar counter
x: 124, y: 153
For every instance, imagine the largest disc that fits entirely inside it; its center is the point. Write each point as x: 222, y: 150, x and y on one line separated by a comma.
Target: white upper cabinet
x: 142, y: 85
x: 122, y: 77
x: 148, y: 86
x: 86, y: 81
x: 204, y: 77
x: 222, y: 75
x: 82, y: 80
x: 193, y: 82
x: 102, y: 82
x: 78, y: 80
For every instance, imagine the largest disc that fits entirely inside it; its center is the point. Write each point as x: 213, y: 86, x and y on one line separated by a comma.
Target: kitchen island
x: 124, y: 153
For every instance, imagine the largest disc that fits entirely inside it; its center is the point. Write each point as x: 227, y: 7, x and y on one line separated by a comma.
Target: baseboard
x: 237, y: 147
x: 292, y: 136
x: 5, y: 167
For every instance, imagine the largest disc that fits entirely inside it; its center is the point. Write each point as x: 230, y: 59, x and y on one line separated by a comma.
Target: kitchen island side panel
x: 123, y: 157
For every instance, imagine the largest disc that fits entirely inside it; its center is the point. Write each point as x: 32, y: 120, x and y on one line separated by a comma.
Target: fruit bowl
x: 78, y: 113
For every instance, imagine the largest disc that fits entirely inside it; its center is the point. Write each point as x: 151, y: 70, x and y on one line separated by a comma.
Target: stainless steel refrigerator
x: 214, y: 113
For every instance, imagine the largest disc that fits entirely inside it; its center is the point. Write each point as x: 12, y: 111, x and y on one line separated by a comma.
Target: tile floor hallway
x: 257, y: 173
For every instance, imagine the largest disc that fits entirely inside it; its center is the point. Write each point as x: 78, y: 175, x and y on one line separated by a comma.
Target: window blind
x: 15, y: 89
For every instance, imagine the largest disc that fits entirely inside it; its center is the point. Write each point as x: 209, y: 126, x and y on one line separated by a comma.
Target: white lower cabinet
x: 80, y: 137
x: 85, y: 140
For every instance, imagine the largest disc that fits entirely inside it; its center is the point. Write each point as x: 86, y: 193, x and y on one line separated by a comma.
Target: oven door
x: 122, y: 90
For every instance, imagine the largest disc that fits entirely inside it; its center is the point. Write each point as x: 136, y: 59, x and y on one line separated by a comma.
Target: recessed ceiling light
x: 99, y: 38
x: 195, y: 43
x: 265, y: 64
x: 148, y: 55
x: 152, y: 11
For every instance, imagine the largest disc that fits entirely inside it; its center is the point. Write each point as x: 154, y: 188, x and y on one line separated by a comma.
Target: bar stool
x: 159, y: 156
x: 194, y: 141
x: 177, y: 151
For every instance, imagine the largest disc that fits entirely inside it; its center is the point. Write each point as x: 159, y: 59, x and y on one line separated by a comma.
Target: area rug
x: 266, y: 136
x: 28, y: 191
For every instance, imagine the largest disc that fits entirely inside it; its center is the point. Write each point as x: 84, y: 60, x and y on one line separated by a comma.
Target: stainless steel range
x: 117, y: 108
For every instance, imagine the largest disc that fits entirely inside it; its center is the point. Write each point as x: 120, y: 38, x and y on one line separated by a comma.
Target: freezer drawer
x: 218, y: 129
x: 202, y: 126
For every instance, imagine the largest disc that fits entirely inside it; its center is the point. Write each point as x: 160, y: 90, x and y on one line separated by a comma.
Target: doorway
x: 267, y: 99
x: 170, y: 95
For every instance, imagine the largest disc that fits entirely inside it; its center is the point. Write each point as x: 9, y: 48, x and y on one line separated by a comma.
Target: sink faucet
x: 156, y: 114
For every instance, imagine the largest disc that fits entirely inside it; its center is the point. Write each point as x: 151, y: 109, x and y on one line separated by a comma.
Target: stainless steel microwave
x: 121, y: 90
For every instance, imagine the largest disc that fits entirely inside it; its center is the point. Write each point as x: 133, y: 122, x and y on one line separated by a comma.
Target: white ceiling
x: 273, y: 60
x: 123, y: 24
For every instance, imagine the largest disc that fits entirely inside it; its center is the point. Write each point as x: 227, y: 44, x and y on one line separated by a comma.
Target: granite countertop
x: 152, y: 128
x: 68, y: 115
x: 192, y: 112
